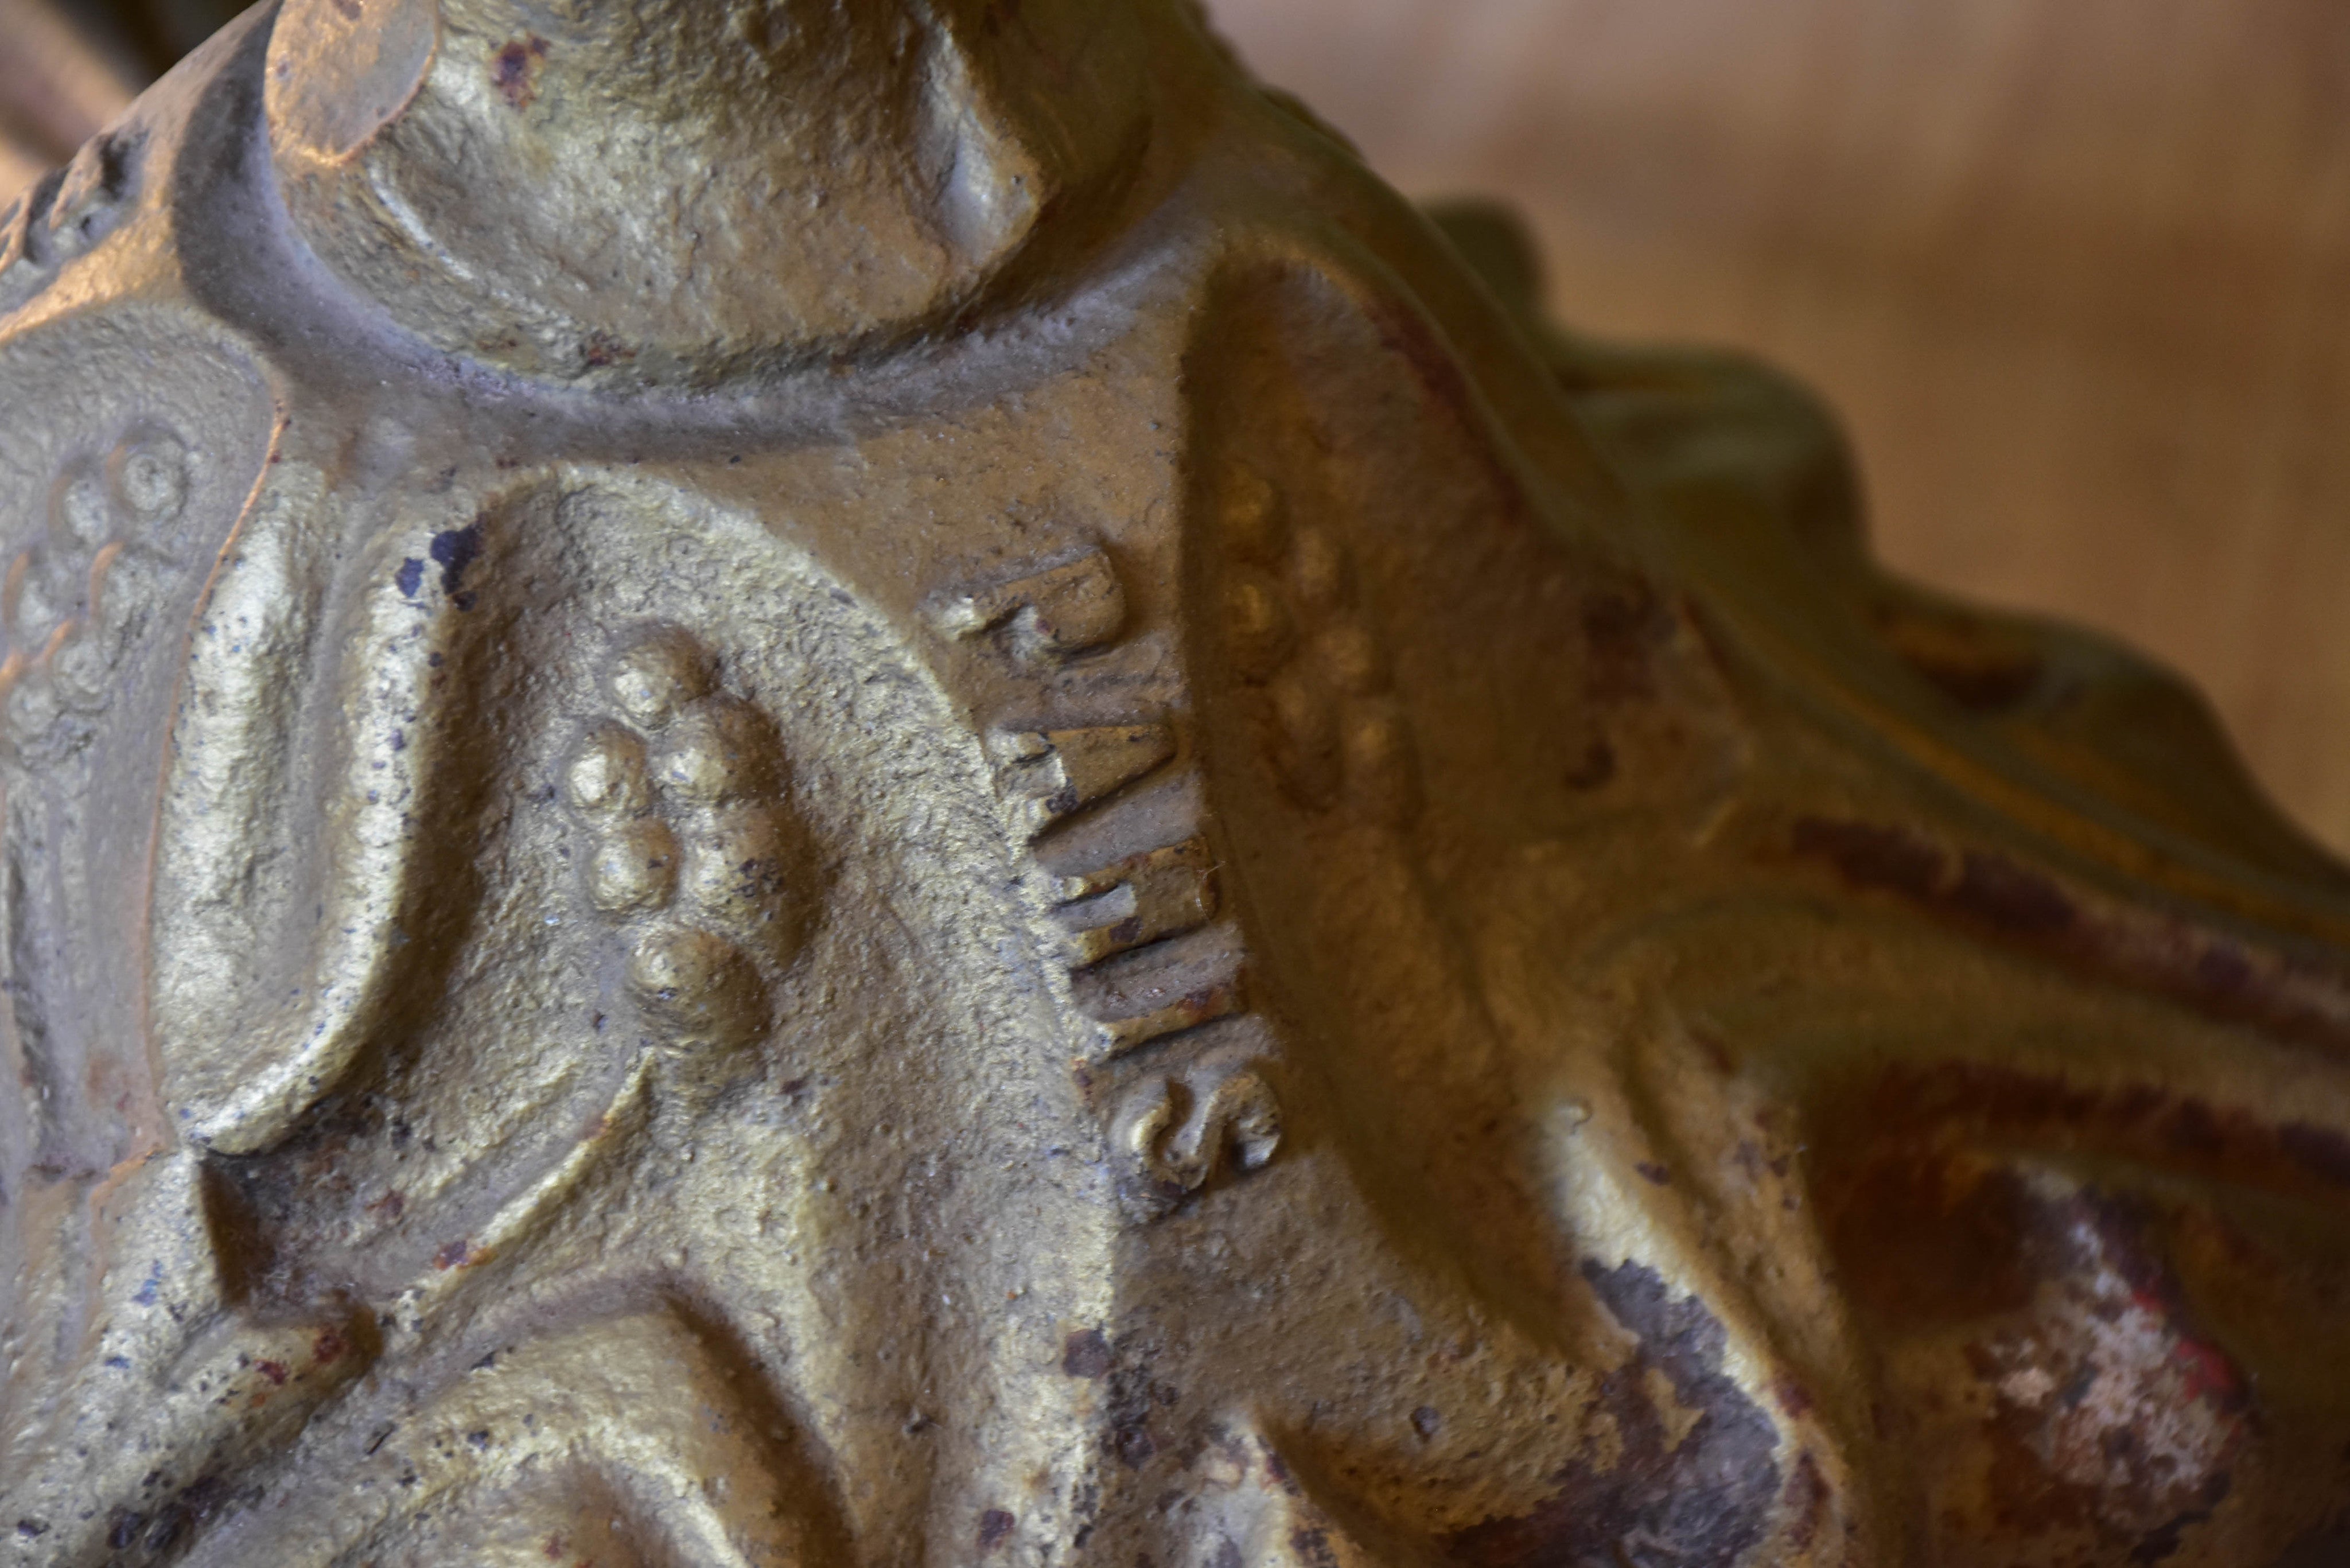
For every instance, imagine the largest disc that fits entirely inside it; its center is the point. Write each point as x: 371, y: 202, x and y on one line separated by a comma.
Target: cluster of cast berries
x: 692, y: 840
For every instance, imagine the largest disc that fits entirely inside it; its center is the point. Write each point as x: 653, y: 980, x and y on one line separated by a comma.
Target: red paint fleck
x: 455, y: 1255
x: 2211, y: 1375
x: 272, y: 1370
x: 327, y: 1346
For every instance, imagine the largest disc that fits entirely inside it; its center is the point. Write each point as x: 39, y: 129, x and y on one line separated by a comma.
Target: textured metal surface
x: 804, y: 785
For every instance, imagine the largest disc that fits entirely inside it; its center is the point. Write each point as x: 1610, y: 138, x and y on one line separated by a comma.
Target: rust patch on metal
x: 1915, y: 1104
x: 1926, y: 1239
x: 1438, y: 370
x: 2116, y: 1413
x: 514, y: 71
x: 1135, y: 1397
x: 1085, y: 1353
x: 2320, y: 1151
x: 1867, y: 855
x: 1704, y: 1501
x: 2111, y: 1418
x: 2009, y: 897
x: 2165, y: 949
x: 1808, y: 1502
x: 993, y: 1526
x: 1623, y: 631
x: 1313, y: 1548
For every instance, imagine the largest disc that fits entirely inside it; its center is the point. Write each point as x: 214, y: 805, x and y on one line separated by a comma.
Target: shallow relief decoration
x: 945, y: 806
x: 123, y: 484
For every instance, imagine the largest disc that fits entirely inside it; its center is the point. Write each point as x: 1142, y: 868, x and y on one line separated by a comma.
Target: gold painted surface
x: 808, y: 786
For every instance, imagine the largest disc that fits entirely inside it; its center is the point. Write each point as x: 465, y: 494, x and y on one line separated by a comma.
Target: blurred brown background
x: 2076, y: 272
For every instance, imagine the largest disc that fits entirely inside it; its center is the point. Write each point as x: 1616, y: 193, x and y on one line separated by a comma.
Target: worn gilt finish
x: 805, y: 784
